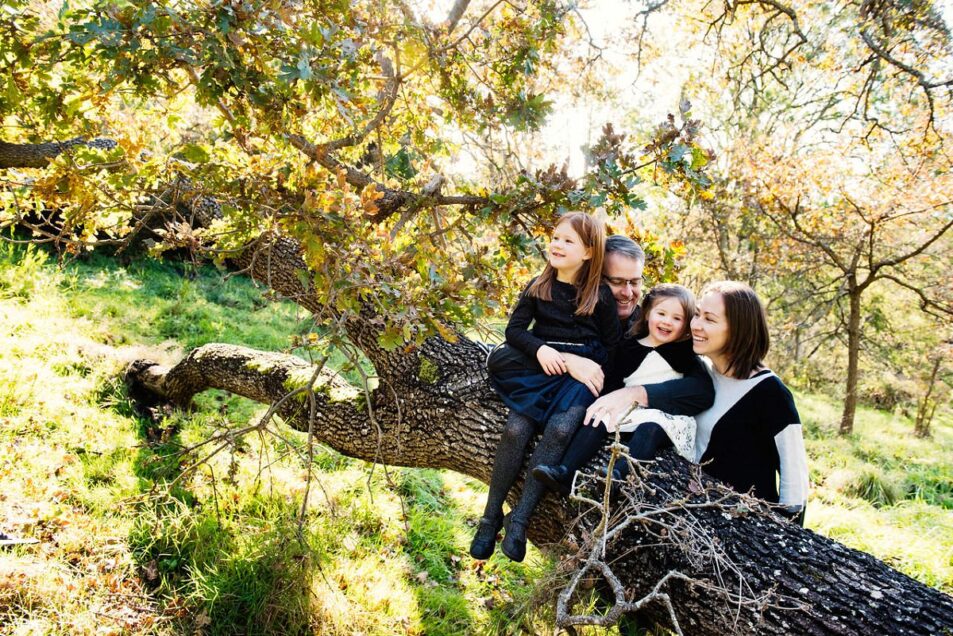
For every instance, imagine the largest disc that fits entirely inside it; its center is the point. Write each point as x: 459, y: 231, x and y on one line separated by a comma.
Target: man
x: 622, y: 272
x: 688, y: 395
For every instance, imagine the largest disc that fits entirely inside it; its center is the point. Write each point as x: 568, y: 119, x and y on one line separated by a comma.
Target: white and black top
x: 686, y: 396
x: 752, y: 434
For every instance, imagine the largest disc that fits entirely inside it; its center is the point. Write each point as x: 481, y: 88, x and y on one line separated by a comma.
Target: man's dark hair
x: 624, y: 246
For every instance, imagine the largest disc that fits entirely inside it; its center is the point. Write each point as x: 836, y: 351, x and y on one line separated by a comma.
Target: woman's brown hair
x: 658, y: 293
x: 748, y: 338
x: 592, y: 232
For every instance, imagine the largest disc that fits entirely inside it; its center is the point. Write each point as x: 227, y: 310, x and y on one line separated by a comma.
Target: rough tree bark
x: 434, y: 408
x: 438, y: 412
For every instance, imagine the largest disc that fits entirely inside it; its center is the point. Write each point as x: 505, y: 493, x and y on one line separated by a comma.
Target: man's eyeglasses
x: 619, y: 282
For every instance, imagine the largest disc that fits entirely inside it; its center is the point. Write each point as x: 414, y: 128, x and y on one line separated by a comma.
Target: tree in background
x: 831, y: 123
x: 312, y: 146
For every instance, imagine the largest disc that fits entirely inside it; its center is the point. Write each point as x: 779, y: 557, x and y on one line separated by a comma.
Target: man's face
x: 623, y: 275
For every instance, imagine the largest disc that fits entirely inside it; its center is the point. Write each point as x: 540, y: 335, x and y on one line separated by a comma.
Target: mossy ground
x: 132, y: 542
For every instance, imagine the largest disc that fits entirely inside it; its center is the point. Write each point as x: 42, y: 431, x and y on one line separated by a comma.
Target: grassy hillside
x: 137, y: 537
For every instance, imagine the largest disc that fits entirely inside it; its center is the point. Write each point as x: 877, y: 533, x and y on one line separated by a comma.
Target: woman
x: 752, y: 433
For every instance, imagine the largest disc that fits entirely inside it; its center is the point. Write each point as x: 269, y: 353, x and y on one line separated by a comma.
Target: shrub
x: 887, y: 391
x: 875, y: 486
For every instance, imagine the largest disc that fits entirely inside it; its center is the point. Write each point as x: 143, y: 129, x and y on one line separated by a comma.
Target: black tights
x: 518, y: 431
x: 645, y: 443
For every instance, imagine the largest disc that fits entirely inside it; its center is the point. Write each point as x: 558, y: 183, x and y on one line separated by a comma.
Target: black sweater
x: 556, y: 320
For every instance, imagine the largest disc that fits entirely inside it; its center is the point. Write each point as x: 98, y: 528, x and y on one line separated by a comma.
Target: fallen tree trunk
x: 755, y: 574
x: 738, y: 568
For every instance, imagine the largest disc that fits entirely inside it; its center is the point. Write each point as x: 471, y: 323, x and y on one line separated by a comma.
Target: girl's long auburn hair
x: 592, y: 232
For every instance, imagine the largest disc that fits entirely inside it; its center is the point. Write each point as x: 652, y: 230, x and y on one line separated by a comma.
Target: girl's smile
x: 666, y: 322
x: 567, y: 252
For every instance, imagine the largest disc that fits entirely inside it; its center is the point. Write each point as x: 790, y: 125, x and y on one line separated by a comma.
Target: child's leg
x: 587, y: 441
x: 646, y: 442
x: 506, y: 466
x: 508, y: 461
x: 584, y: 445
x: 556, y: 436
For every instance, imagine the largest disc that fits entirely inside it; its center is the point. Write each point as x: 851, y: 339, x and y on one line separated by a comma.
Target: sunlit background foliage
x: 807, y: 153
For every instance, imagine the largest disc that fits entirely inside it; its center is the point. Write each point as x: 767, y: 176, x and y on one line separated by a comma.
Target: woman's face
x: 710, y: 326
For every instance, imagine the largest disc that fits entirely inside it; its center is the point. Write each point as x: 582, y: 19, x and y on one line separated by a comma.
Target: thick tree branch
x: 387, y: 98
x: 39, y: 155
x: 445, y: 416
x: 392, y: 200
x: 900, y: 258
x: 927, y: 304
x: 917, y: 75
x: 456, y: 12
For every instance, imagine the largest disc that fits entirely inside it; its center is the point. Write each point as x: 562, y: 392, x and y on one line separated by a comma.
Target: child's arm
x: 520, y: 337
x: 585, y: 371
x: 685, y: 396
x: 517, y: 331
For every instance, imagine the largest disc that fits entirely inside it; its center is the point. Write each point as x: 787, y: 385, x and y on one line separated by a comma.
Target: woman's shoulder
x: 769, y: 380
x: 772, y: 390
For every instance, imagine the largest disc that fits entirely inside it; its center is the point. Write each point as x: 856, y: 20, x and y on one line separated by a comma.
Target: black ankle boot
x: 556, y: 478
x: 514, y: 543
x: 484, y: 541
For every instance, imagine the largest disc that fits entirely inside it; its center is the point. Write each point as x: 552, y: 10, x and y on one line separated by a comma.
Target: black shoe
x: 514, y: 543
x: 557, y: 478
x: 484, y: 541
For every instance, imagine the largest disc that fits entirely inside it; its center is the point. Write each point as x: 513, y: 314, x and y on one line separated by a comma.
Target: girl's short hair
x: 592, y: 232
x: 748, y: 338
x: 656, y: 295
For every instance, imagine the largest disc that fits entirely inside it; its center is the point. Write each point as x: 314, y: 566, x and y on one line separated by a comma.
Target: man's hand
x: 585, y: 371
x: 551, y: 360
x: 611, y: 407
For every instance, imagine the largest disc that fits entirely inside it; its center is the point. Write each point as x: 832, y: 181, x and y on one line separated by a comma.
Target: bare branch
x: 927, y: 304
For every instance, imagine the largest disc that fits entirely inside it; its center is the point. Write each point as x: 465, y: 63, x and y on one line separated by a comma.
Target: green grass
x: 132, y: 545
x: 882, y: 490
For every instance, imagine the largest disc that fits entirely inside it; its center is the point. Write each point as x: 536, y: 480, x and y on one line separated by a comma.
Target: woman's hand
x: 610, y: 408
x: 551, y: 360
x: 585, y: 371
